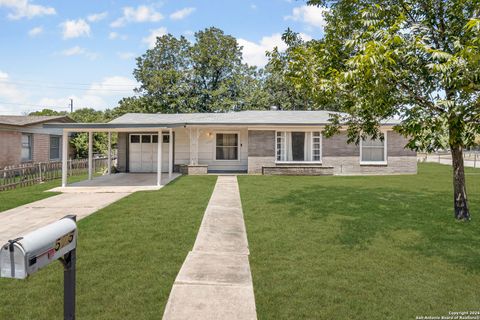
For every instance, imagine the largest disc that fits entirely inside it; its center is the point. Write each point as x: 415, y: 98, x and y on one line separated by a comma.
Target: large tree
x: 281, y: 92
x: 206, y: 76
x: 164, y: 74
x: 416, y: 60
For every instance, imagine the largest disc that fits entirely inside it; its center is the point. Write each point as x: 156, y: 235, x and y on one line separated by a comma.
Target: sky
x: 54, y: 51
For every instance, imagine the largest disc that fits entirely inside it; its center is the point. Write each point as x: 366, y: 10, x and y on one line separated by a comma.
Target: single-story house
x: 254, y: 142
x: 23, y: 139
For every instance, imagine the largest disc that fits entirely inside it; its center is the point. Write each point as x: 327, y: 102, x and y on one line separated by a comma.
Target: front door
x: 143, y: 152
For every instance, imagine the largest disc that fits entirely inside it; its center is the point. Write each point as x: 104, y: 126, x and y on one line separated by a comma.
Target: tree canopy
x: 206, y: 76
x: 414, y: 60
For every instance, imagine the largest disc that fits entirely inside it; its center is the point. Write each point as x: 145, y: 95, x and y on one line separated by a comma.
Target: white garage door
x: 143, y: 152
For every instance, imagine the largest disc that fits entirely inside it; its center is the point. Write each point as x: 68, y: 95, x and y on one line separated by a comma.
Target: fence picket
x: 32, y: 173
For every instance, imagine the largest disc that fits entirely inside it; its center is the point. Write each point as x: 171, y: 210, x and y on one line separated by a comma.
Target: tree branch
x: 421, y: 100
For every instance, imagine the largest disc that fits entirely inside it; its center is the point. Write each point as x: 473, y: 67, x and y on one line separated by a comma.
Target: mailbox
x: 24, y: 256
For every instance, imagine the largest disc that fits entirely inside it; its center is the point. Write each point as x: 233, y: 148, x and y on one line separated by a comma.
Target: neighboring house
x: 23, y: 139
x: 268, y: 142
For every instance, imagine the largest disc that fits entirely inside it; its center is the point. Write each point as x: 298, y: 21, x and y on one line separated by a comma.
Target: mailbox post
x: 24, y: 256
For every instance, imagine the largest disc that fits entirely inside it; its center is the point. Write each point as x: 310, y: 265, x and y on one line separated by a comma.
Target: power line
x: 67, y: 83
x: 26, y: 105
x: 70, y: 88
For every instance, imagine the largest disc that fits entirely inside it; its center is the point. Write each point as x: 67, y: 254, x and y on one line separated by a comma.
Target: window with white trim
x: 298, y: 146
x: 373, y: 151
x: 26, y: 147
x: 226, y: 147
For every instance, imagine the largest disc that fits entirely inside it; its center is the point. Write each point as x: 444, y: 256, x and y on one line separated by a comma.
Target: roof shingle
x: 29, y: 120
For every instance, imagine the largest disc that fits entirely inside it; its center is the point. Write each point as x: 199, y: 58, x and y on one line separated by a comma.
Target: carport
x: 110, y: 128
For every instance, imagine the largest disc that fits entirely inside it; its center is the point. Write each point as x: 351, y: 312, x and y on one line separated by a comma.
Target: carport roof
x: 252, y: 118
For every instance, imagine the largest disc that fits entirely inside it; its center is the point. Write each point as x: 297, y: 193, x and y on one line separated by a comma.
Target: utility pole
x: 71, y: 105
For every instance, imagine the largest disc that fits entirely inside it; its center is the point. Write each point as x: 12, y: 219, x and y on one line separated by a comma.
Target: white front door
x: 143, y: 152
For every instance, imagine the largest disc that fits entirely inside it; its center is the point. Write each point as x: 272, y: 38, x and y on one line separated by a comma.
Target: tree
x: 216, y: 69
x: 280, y: 91
x: 416, y: 60
x: 206, y: 76
x: 164, y: 73
x: 80, y: 140
x: 47, y: 112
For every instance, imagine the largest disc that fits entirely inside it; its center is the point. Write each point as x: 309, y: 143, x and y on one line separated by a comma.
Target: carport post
x: 109, y: 152
x: 64, y: 158
x: 170, y: 153
x: 159, y: 158
x: 90, y: 151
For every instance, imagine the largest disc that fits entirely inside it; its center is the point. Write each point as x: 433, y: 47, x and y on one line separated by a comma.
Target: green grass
x: 378, y: 247
x: 22, y: 195
x: 129, y: 254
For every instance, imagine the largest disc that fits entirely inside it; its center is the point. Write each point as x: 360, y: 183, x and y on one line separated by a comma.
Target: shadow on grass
x: 419, y: 221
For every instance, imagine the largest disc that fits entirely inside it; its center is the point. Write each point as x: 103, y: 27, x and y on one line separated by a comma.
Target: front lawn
x: 129, y: 254
x: 22, y: 195
x: 379, y: 247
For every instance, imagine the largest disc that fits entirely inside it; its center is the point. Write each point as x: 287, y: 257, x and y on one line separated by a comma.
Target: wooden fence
x: 32, y: 173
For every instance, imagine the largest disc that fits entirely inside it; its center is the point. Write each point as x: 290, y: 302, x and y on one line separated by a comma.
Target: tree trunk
x: 459, y: 188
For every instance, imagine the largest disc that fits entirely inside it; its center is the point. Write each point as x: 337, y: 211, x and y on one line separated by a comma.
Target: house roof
x: 249, y: 118
x: 240, y: 118
x: 22, y: 121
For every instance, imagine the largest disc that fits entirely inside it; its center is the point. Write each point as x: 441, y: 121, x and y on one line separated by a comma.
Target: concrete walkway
x: 215, y: 280
x: 81, y: 199
x: 118, y: 182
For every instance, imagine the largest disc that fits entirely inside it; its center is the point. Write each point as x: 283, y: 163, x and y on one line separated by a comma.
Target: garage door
x: 143, y: 152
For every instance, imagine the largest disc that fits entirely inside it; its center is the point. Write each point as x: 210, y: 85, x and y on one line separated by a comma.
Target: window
x: 155, y: 138
x: 26, y: 147
x: 373, y: 151
x: 166, y: 138
x: 135, y: 138
x: 226, y: 146
x: 146, y: 138
x: 301, y: 146
x: 54, y: 147
x: 316, y: 146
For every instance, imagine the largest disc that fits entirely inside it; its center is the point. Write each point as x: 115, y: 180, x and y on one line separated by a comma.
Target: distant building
x: 23, y: 139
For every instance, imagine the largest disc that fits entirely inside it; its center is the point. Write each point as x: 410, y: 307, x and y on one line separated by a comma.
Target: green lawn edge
x: 129, y: 254
x: 10, y: 199
x: 364, y: 247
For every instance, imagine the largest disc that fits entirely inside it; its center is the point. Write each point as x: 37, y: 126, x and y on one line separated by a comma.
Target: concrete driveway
x: 81, y: 199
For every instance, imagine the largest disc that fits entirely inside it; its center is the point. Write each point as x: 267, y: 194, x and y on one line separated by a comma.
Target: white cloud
x: 311, y: 15
x: 8, y: 90
x: 151, y: 39
x: 75, y: 29
x: 79, y: 51
x: 100, y: 95
x: 254, y: 53
x: 95, y: 17
x: 10, y: 94
x: 110, y: 85
x: 126, y: 55
x: 182, y: 13
x: 115, y: 35
x: 253, y: 6
x: 35, y: 31
x: 140, y: 14
x: 24, y: 9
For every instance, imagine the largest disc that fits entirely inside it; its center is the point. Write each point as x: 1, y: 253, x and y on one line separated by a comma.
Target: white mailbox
x: 24, y: 256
